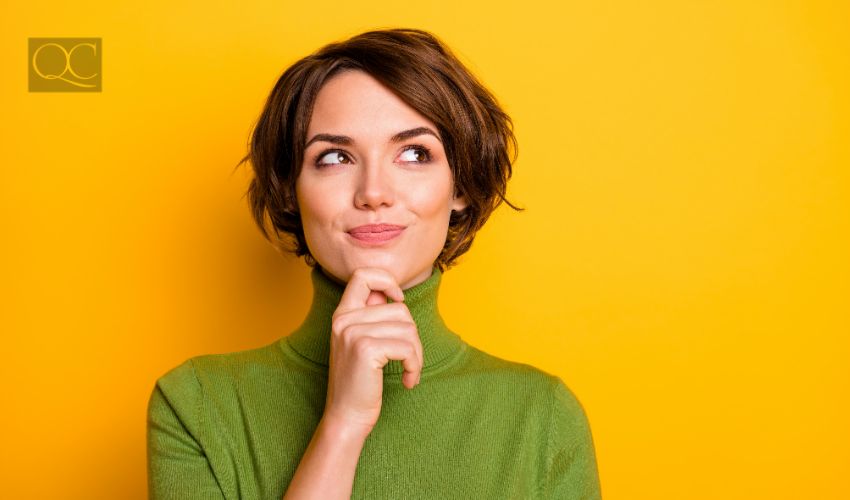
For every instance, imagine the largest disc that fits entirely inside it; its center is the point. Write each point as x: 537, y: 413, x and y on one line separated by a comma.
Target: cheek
x: 432, y: 199
x: 311, y: 216
x: 314, y: 203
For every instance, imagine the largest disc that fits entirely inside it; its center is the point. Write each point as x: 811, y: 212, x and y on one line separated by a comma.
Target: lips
x: 375, y: 228
x: 375, y: 234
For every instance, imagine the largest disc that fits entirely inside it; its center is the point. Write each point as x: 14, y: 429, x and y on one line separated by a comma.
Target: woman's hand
x: 366, y: 333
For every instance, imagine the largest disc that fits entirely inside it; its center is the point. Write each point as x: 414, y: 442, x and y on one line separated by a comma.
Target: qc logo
x: 65, y: 65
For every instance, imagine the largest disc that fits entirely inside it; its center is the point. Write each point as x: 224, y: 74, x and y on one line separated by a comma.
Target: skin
x: 373, y: 180
x: 369, y: 180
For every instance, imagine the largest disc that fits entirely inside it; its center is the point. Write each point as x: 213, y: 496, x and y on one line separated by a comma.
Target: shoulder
x: 525, y: 377
x: 195, y: 375
x: 568, y: 418
x: 491, y: 365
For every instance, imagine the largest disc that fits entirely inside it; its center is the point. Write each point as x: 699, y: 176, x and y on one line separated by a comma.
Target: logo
x: 65, y: 65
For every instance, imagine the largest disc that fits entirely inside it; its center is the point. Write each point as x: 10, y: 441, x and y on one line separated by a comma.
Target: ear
x: 458, y: 203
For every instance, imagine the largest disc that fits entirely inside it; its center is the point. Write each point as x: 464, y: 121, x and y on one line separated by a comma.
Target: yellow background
x: 682, y: 263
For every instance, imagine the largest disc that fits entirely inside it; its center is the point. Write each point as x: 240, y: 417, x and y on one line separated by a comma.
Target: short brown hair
x: 477, y: 134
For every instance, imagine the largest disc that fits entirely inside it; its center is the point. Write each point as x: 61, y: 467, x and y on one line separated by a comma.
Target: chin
x: 344, y: 267
x: 398, y: 269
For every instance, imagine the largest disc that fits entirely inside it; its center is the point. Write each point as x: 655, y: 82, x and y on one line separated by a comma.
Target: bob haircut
x: 477, y: 134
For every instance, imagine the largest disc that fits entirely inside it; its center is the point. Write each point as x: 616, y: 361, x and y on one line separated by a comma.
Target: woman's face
x: 358, y: 171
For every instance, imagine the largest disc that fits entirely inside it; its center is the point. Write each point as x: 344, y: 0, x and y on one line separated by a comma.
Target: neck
x: 439, y: 344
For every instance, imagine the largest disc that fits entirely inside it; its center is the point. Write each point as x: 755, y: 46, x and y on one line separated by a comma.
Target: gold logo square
x: 65, y: 65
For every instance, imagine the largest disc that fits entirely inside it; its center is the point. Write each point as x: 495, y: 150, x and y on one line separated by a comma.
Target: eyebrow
x: 347, y: 141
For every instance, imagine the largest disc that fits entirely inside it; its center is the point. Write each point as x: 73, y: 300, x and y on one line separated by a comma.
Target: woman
x: 381, y: 156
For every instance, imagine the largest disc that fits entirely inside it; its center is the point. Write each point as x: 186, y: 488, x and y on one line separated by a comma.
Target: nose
x: 374, y: 187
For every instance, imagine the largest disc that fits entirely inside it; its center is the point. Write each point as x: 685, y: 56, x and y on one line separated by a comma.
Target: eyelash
x: 407, y: 148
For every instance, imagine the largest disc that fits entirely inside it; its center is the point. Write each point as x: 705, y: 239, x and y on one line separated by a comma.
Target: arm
x: 327, y: 468
x: 571, y: 471
x: 177, y: 465
x: 366, y: 333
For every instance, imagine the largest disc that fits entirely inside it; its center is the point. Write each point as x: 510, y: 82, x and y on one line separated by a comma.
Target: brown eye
x: 330, y: 155
x: 417, y: 154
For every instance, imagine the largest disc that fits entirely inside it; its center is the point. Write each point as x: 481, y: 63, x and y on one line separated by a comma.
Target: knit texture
x: 235, y: 425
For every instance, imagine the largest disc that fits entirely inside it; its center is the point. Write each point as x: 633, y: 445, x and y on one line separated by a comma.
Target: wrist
x: 344, y: 430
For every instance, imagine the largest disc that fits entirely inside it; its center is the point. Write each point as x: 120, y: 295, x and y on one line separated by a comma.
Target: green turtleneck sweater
x: 236, y: 425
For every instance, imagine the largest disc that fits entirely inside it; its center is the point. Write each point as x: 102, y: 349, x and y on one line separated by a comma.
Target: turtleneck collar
x: 312, y: 338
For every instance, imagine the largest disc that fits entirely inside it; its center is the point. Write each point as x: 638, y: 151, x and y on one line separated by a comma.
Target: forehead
x: 356, y: 104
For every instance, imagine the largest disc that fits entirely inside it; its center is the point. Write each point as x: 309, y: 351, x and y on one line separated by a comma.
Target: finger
x: 397, y: 311
x: 390, y: 330
x: 381, y: 350
x: 363, y: 281
x: 376, y: 298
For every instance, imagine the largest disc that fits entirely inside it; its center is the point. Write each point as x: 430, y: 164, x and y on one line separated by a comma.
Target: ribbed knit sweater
x: 235, y: 425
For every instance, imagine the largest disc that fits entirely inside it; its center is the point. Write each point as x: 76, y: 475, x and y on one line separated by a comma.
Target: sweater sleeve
x: 177, y: 464
x: 571, y: 470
